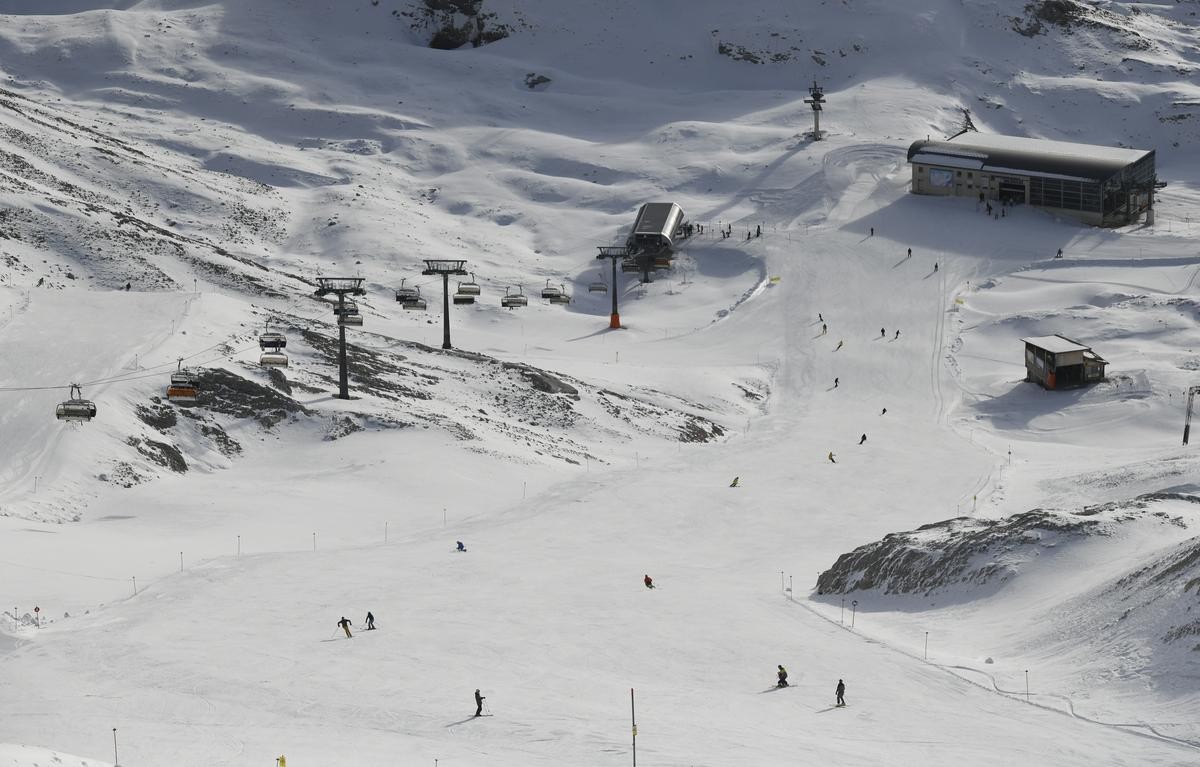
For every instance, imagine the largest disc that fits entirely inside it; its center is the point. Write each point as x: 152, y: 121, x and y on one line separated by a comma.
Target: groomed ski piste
x: 219, y: 156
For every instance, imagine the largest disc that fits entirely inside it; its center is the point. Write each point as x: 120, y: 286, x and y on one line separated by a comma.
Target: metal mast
x: 341, y: 287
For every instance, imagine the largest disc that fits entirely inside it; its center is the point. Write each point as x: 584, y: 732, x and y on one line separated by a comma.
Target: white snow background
x: 218, y: 156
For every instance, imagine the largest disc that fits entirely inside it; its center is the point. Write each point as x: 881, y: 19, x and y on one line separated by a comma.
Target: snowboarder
x: 782, y: 674
x: 648, y: 581
x: 839, y: 346
x: 841, y: 690
x: 831, y: 457
x: 835, y: 383
x: 864, y: 439
x: 824, y: 328
x: 479, y: 699
x: 461, y: 547
x: 345, y: 624
x: 370, y: 621
x: 734, y: 483
x: 897, y: 336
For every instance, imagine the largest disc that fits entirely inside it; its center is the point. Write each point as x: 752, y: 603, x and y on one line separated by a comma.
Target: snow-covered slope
x: 217, y: 157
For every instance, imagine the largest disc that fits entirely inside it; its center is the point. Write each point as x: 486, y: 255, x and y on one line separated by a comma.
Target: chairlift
x: 512, y: 300
x: 599, y: 286
x: 562, y: 298
x: 347, y: 309
x: 76, y: 408
x: 550, y: 291
x: 414, y: 302
x: 274, y: 359
x: 272, y: 341
x: 351, y: 320
x: 404, y: 294
x: 184, y: 386
x: 630, y: 265
x: 464, y: 298
x: 468, y: 288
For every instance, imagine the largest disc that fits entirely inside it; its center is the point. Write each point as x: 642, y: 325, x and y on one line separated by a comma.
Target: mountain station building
x: 1057, y: 362
x: 1098, y: 185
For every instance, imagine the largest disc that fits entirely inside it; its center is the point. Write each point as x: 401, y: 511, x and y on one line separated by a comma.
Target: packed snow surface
x: 175, y: 176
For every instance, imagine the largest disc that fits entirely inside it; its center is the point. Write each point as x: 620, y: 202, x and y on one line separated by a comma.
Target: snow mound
x: 29, y: 756
x: 980, y: 555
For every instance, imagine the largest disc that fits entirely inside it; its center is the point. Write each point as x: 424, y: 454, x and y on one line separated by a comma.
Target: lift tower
x: 816, y: 100
x: 445, y: 267
x: 341, y: 287
x: 614, y: 253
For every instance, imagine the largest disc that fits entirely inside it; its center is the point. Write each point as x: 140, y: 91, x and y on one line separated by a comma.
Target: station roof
x: 1056, y: 344
x: 1026, y: 156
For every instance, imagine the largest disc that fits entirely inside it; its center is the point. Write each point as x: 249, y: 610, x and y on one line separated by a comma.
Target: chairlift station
x: 1097, y: 185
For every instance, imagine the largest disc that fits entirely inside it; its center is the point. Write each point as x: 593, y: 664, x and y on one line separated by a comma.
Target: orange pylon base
x: 614, y: 321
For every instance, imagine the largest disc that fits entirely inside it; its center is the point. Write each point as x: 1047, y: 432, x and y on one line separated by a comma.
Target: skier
x: 897, y: 336
x: 648, y: 581
x: 747, y: 235
x: 820, y: 318
x: 1059, y: 253
x: 910, y: 252
x: 864, y: 439
x: 824, y: 328
x: 345, y: 624
x: 758, y: 230
x: 782, y: 674
x: 935, y: 266
x: 831, y: 457
x: 461, y: 547
x: 734, y: 483
x: 841, y: 690
x: 872, y: 231
x: 839, y: 346
x: 882, y: 332
x: 370, y: 621
x: 883, y: 412
x: 835, y: 383
x: 479, y: 699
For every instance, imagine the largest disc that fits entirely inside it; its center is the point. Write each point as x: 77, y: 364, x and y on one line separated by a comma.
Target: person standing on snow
x: 824, y: 328
x: 461, y: 547
x: 370, y: 621
x: 897, y: 336
x: 734, y: 483
x: 841, y: 691
x: 835, y: 383
x: 882, y: 332
x: 345, y: 624
x: 648, y: 581
x: 864, y: 439
x: 831, y: 457
x: 782, y: 674
x: 479, y: 699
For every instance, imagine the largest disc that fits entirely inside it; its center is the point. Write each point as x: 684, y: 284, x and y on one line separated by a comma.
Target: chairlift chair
x: 562, y: 298
x: 464, y: 298
x: 599, y: 286
x: 351, y: 320
x: 414, y: 302
x: 184, y: 386
x: 405, y: 294
x: 76, y: 408
x: 272, y: 341
x: 274, y: 359
x: 630, y: 265
x: 550, y: 291
x: 467, y: 289
x: 512, y: 300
